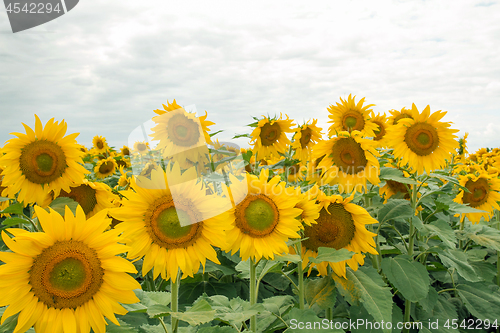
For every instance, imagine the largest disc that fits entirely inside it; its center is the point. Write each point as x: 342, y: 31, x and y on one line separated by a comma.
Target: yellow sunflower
x: 41, y: 161
x: 171, y: 222
x: 264, y: 216
x: 169, y: 107
x: 424, y: 143
x: 68, y: 277
x: 125, y: 151
x: 380, y: 133
x: 307, y: 203
x: 105, y: 168
x: 349, y: 116
x: 227, y: 151
x: 350, y: 160
x: 341, y: 224
x: 483, y: 195
x: 397, y: 115
x: 99, y: 144
x: 140, y: 148
x: 124, y: 178
x: 269, y: 137
x: 305, y: 137
x: 462, y: 148
x: 393, y: 187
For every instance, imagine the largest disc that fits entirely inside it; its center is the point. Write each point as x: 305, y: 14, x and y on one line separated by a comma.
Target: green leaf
x: 212, y: 267
x: 9, y: 324
x: 487, y: 237
x: 236, y: 136
x: 16, y: 208
x: 331, y: 255
x: 395, y: 209
x: 152, y: 328
x: 123, y: 328
x: 458, y: 260
x: 215, y: 133
x: 278, y: 304
x: 158, y: 310
x: 457, y: 208
x: 59, y: 205
x: 396, y: 175
x: 444, y: 231
x: 306, y: 321
x: 321, y: 291
x: 217, y: 329
x: 9, y: 222
x: 135, y: 308
x: 409, y: 277
x: 295, y: 258
x: 2, y: 199
x: 200, y: 313
x: 270, y: 266
x: 481, y: 300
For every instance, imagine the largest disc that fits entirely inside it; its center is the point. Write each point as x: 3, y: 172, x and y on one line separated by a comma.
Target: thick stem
x: 461, y: 242
x: 253, y: 294
x: 174, y: 289
x: 300, y: 273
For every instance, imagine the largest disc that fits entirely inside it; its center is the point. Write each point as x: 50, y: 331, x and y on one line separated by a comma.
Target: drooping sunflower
x: 263, y: 216
x: 68, y: 277
x: 349, y: 116
x: 99, y: 144
x: 305, y: 137
x: 380, y: 133
x: 269, y: 137
x: 424, y: 142
x: 105, y: 167
x: 397, y: 115
x: 349, y: 161
x: 172, y: 222
x: 41, y: 161
x: 341, y: 224
x: 141, y: 148
x: 392, y: 187
x: 182, y: 136
x: 483, y: 195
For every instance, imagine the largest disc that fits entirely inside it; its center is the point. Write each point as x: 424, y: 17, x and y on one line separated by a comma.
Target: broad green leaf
x: 200, y: 313
x: 458, y: 260
x: 331, y: 255
x: 366, y: 321
x: 395, y: 209
x: 396, y: 175
x: 410, y: 278
x: 9, y: 324
x: 444, y: 231
x: 429, y: 302
x: 321, y: 291
x: 9, y: 222
x: 270, y: 266
x: 217, y: 329
x: 457, y: 208
x: 347, y: 289
x: 306, y: 321
x: 152, y: 328
x: 295, y: 258
x: 482, y: 301
x: 211, y: 267
x: 137, y: 307
x: 16, y: 208
x: 487, y: 237
x: 158, y: 310
x: 59, y: 205
x: 123, y: 328
x: 278, y: 304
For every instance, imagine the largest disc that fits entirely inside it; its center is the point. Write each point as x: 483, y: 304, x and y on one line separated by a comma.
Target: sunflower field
x: 382, y: 223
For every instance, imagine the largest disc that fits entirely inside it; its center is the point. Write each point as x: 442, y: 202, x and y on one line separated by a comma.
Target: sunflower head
x: 381, y: 122
x: 169, y: 107
x: 141, y: 148
x: 349, y: 116
x: 125, y: 151
x: 270, y: 138
x: 304, y: 138
x: 99, y: 144
x: 396, y: 115
x: 105, y: 167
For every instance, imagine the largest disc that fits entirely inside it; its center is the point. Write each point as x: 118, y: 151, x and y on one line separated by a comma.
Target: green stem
x: 253, y: 294
x: 174, y: 289
x: 163, y: 324
x: 461, y: 242
x: 300, y: 273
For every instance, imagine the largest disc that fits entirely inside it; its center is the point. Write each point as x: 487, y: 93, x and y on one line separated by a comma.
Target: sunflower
x: 141, y: 148
x: 462, y: 148
x: 226, y: 151
x: 3, y: 204
x: 67, y: 277
x: 305, y: 137
x: 349, y: 116
x: 397, y: 115
x: 424, y: 143
x: 169, y: 107
x: 350, y: 160
x: 270, y: 137
x: 307, y: 203
x: 171, y: 222
x: 99, y: 144
x: 92, y: 197
x: 105, y: 168
x: 483, y: 195
x: 41, y: 161
x: 380, y: 133
x: 393, y: 187
x: 263, y: 216
x: 182, y: 136
x: 125, y: 151
x: 341, y: 224
x: 124, y: 180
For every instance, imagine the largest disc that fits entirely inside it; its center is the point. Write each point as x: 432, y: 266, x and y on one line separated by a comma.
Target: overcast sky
x: 106, y: 65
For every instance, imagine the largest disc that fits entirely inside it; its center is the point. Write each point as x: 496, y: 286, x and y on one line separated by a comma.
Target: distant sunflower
x: 341, y: 224
x: 307, y: 203
x: 141, y: 148
x: 305, y: 137
x: 100, y: 144
x: 380, y: 133
x: 349, y: 116
x: 398, y: 115
x: 350, y: 160
x: 269, y: 137
x: 41, y: 161
x: 106, y: 167
x: 424, y: 143
x: 264, y: 217
x: 67, y: 277
x: 483, y: 195
x: 125, y: 151
x: 392, y: 187
x: 171, y: 227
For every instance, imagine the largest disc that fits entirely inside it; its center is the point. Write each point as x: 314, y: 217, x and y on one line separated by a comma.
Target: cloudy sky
x: 106, y: 65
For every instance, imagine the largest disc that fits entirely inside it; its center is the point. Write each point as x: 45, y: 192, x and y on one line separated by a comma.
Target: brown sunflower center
x: 42, y: 161
x: 396, y: 187
x: 164, y: 222
x: 126, y: 152
x: 353, y: 121
x: 100, y: 144
x: 66, y: 274
x: 84, y: 194
x: 380, y: 132
x: 141, y: 147
x: 269, y: 134
x: 335, y: 229
x: 106, y: 168
x: 479, y: 190
x: 422, y: 138
x: 401, y: 116
x: 349, y: 156
x: 257, y: 215
x: 183, y: 131
x: 305, y: 138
